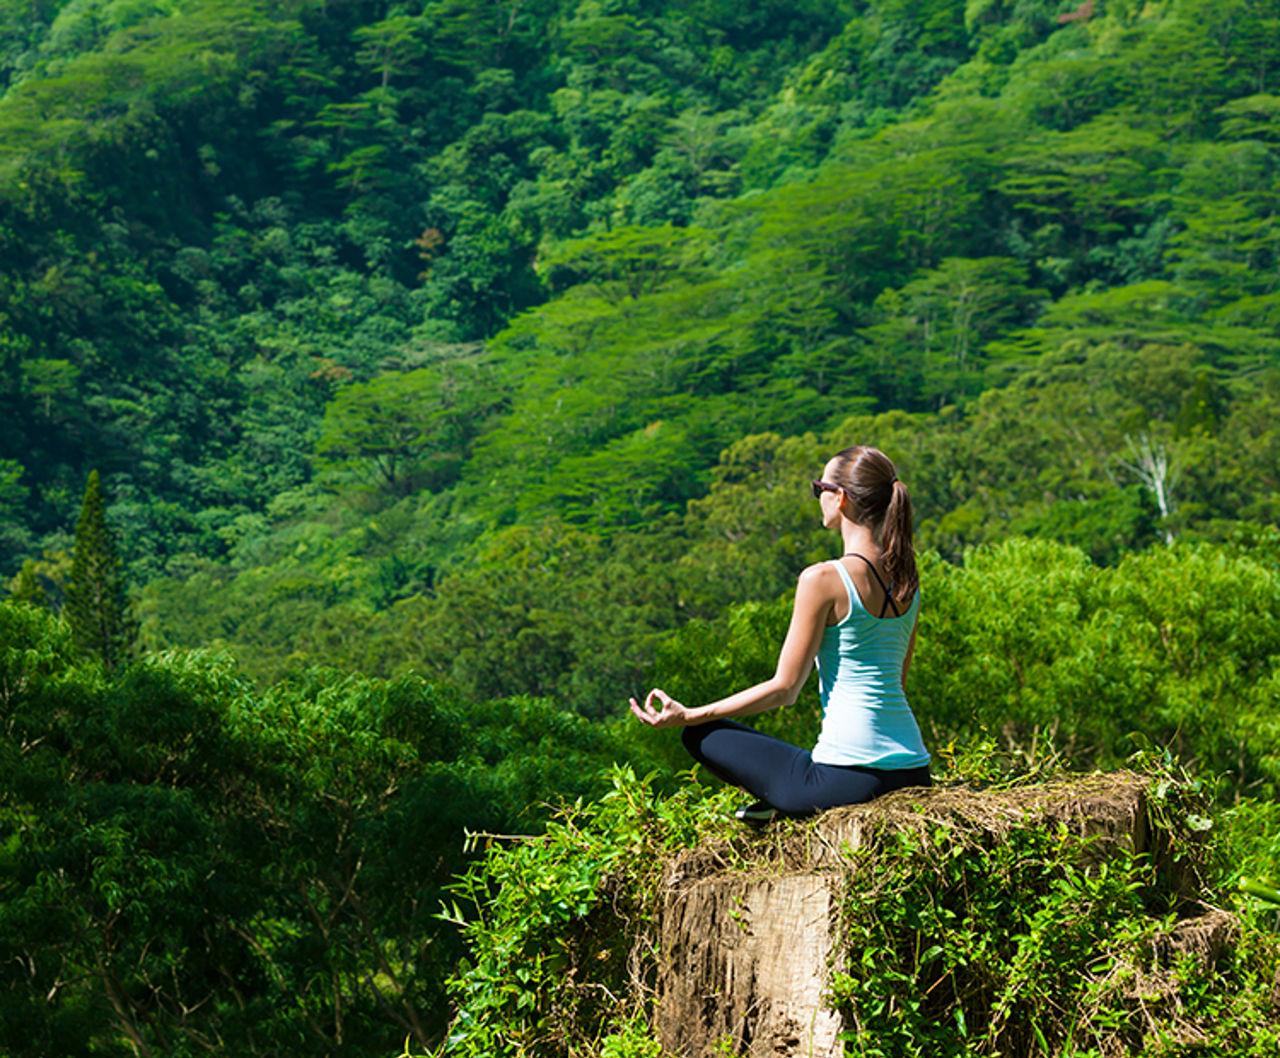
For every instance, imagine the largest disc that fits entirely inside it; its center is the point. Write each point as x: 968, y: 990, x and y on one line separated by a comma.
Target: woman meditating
x: 856, y: 615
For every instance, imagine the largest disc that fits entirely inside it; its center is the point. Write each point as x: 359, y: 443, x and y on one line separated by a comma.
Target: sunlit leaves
x: 1096, y: 177
x: 405, y: 431
x: 929, y: 345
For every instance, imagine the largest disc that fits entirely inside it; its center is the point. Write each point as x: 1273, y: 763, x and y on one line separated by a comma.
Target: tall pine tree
x: 96, y: 605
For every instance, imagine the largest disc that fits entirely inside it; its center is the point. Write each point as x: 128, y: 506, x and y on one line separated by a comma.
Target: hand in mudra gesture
x: 669, y: 712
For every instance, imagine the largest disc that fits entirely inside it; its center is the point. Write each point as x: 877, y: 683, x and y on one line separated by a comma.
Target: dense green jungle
x: 424, y: 378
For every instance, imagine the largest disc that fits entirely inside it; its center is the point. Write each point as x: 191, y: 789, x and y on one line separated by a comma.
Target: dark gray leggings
x: 784, y: 775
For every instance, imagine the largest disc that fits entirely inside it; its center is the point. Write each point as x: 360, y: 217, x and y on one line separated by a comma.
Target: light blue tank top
x: 865, y: 716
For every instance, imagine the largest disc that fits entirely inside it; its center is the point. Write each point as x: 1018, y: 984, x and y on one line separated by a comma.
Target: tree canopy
x: 448, y: 371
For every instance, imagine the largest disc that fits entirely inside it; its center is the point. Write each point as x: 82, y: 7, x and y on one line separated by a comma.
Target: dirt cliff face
x: 1011, y: 922
x: 745, y: 960
x: 747, y: 955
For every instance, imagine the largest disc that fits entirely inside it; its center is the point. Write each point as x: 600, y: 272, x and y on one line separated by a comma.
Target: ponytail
x: 896, y: 545
x: 880, y: 500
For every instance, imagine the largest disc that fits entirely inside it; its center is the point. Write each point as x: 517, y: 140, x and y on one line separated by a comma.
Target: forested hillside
x: 452, y: 370
x: 370, y: 314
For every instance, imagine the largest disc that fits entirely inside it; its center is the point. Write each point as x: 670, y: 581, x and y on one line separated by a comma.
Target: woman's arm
x: 808, y: 620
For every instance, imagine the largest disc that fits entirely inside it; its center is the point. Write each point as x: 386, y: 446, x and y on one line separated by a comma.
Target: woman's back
x: 866, y: 719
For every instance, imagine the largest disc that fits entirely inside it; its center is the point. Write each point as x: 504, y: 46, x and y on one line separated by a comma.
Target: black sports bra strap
x: 888, y: 595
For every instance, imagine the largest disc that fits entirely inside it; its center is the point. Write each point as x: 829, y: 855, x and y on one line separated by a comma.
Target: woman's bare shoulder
x: 820, y: 575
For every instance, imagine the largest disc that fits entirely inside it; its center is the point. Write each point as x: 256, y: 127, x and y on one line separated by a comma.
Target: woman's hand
x: 671, y: 714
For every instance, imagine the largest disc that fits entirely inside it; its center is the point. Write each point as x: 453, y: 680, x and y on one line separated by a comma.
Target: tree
x: 1156, y: 466
x: 14, y: 536
x: 96, y: 605
x: 626, y: 263
x: 407, y: 430
x: 933, y: 330
x: 42, y: 581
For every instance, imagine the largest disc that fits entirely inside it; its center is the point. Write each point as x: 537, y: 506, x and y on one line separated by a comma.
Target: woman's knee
x: 791, y: 802
x: 695, y: 734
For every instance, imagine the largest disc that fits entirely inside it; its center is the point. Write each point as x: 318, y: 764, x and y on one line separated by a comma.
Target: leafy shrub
x: 556, y: 923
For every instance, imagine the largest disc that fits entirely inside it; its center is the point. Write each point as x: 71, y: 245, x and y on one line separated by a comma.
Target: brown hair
x: 881, y: 501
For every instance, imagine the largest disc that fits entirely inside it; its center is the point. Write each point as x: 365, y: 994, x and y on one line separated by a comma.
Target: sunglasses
x: 819, y: 487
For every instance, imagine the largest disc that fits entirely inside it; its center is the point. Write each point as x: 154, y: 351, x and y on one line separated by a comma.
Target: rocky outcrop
x: 745, y: 960
x: 747, y: 952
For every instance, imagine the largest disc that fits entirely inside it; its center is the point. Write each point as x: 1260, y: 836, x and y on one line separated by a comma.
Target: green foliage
x: 625, y: 263
x: 547, y: 598
x: 97, y: 605
x: 1031, y: 640
x: 36, y: 646
x: 934, y: 329
x: 14, y: 537
x: 223, y: 304
x: 1036, y: 943
x: 410, y: 431
x: 957, y: 937
x: 42, y: 581
x: 915, y: 183
x: 548, y: 920
x: 186, y: 858
x: 494, y: 344
x: 1171, y: 644
x: 631, y: 1039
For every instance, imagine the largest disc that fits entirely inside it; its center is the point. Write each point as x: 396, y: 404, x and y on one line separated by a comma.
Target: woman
x: 857, y: 616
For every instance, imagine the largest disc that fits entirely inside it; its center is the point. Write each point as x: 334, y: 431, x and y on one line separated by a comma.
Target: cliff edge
x: 748, y: 957
x: 1069, y: 916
